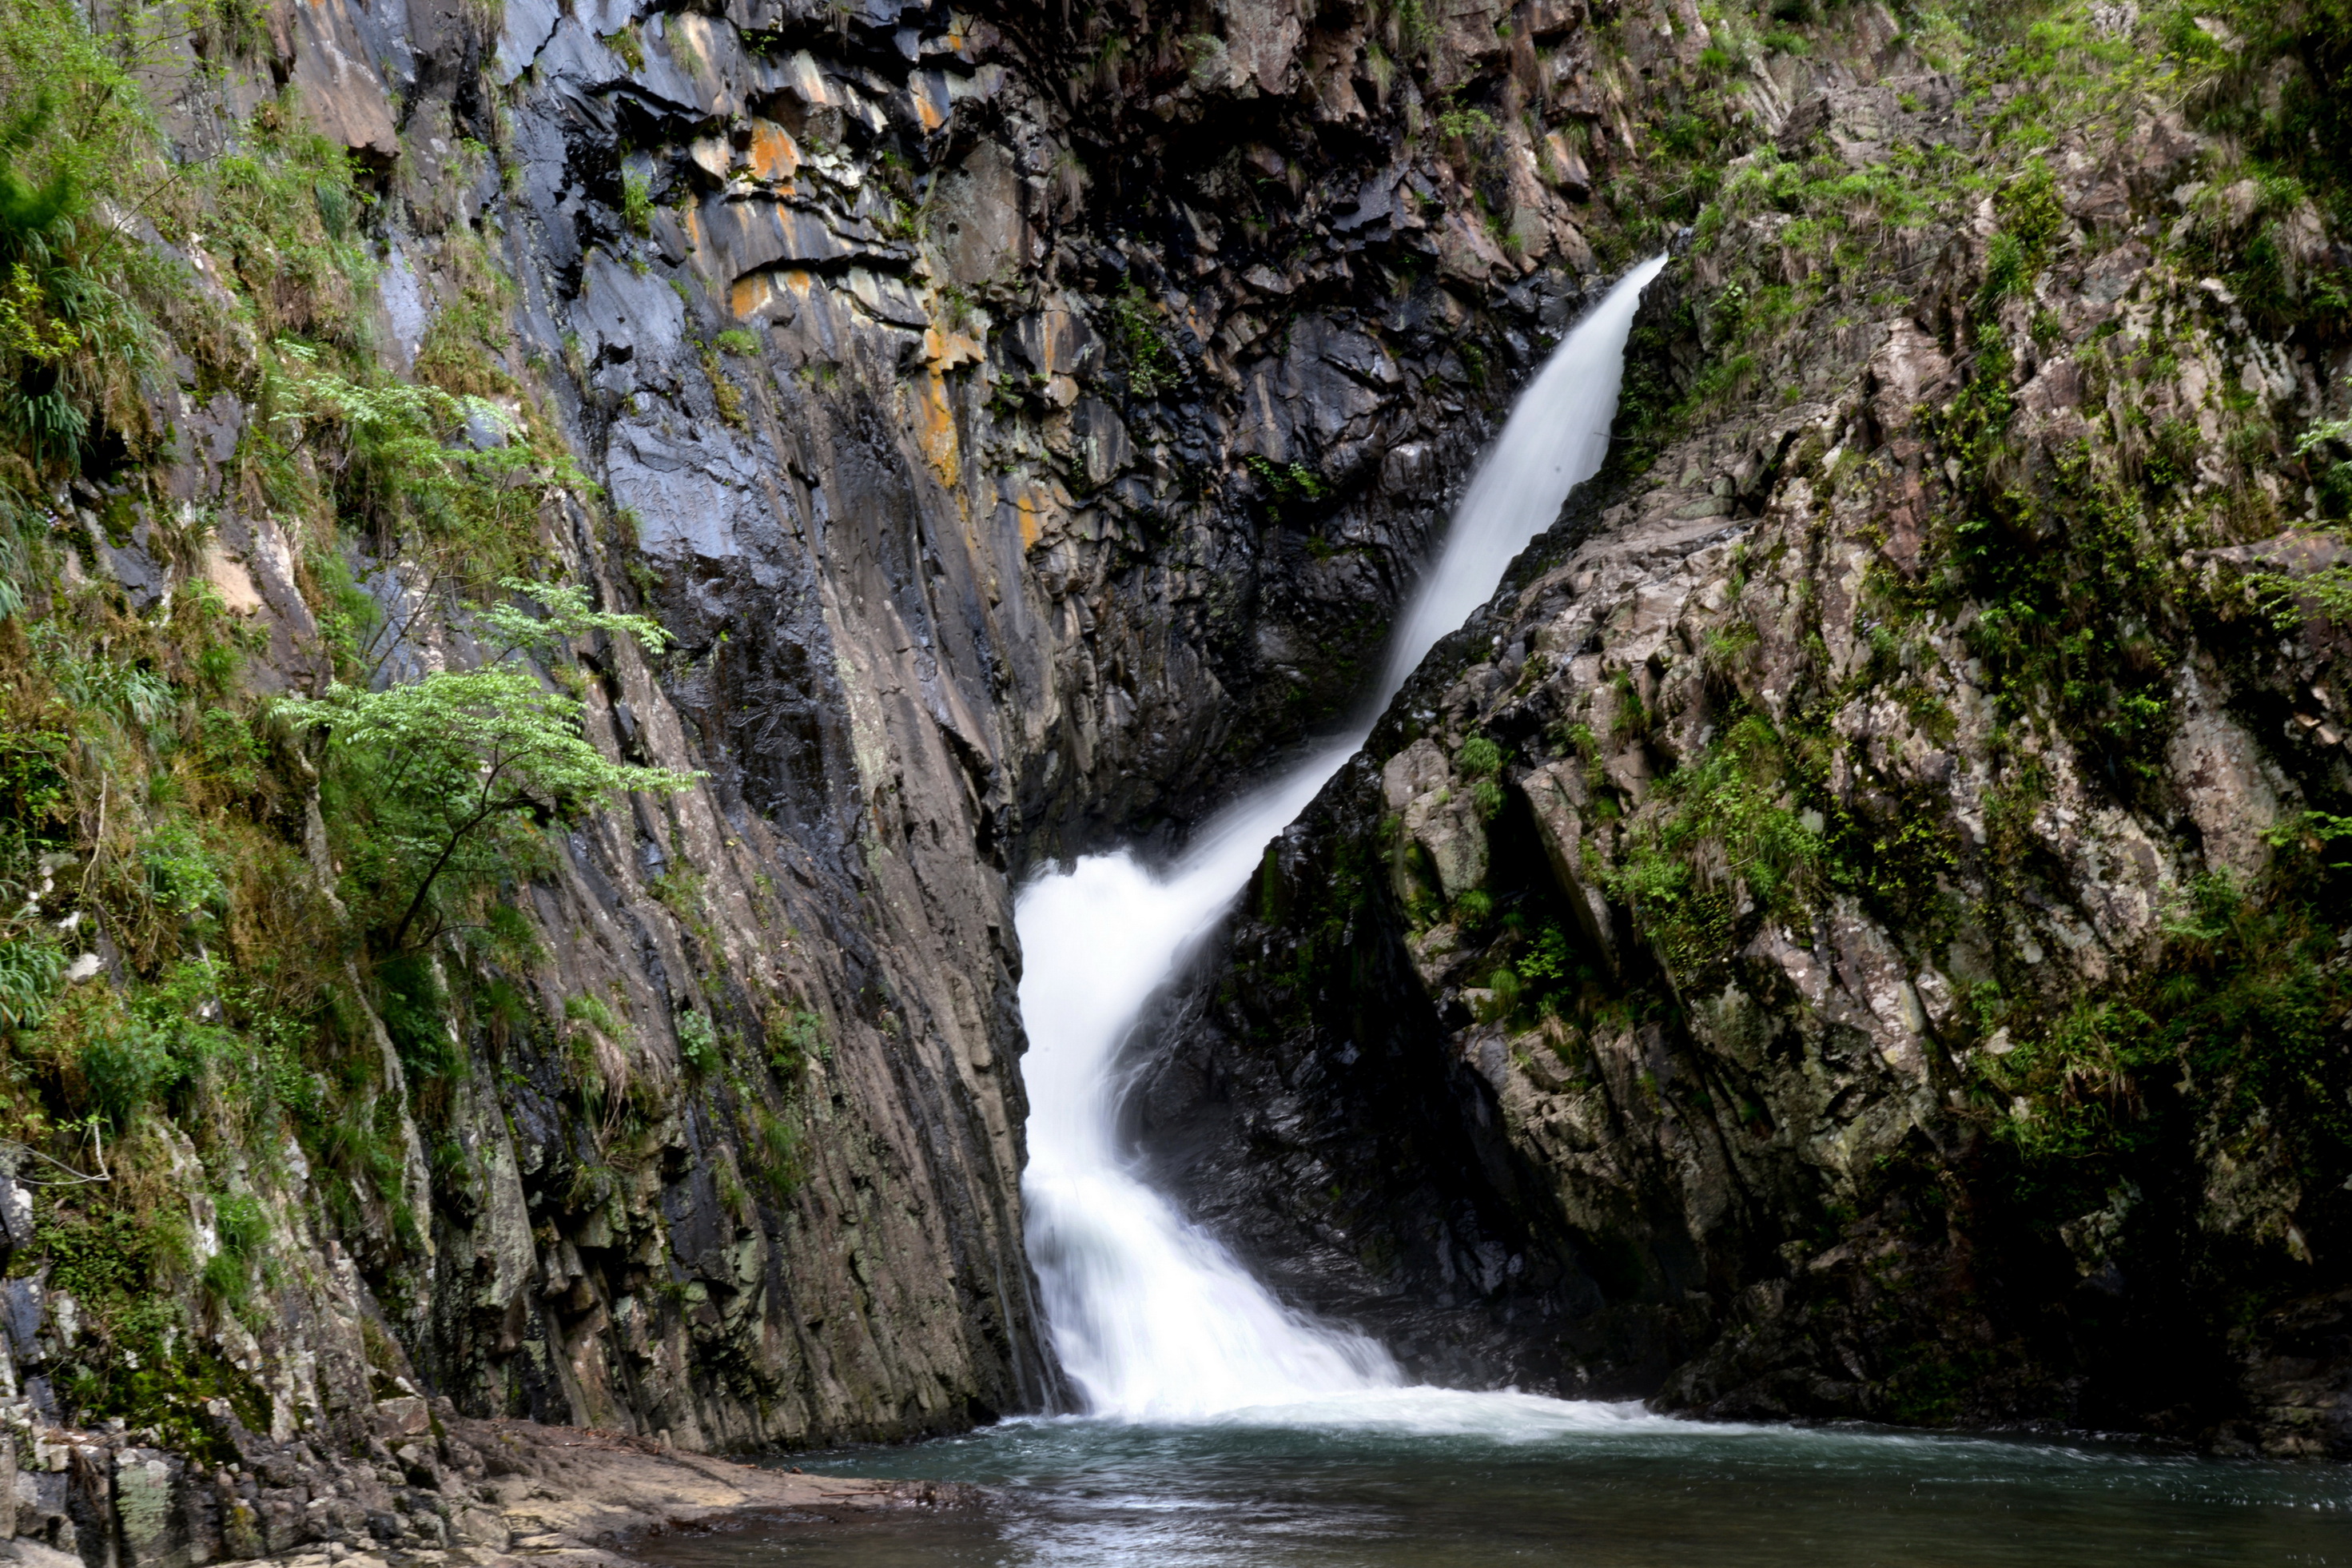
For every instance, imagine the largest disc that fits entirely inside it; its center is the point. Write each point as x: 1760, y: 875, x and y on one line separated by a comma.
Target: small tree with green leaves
x: 453, y: 774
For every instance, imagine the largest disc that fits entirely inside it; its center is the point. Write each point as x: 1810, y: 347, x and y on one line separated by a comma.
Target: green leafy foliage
x: 2314, y: 831
x: 2296, y: 601
x: 1470, y: 124
x: 1152, y: 368
x: 35, y: 814
x: 68, y: 335
x: 697, y: 1042
x: 723, y: 390
x: 1727, y: 824
x: 453, y: 758
x: 1285, y: 482
x: 637, y: 200
x: 1481, y: 762
x: 776, y: 1151
x: 452, y: 482
x: 798, y: 1041
x: 2234, y: 1027
x: 1478, y: 758
x: 197, y: 1038
x: 1548, y: 973
x: 152, y: 807
x: 415, y: 1009
x: 136, y: 1359
x: 2074, y: 597
x: 2278, y: 77
x: 126, y: 1063
x: 30, y: 969
x: 450, y: 772
x: 29, y: 215
x: 242, y: 1229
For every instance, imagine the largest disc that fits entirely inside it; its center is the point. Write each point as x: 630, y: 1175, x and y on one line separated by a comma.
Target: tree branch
x: 487, y: 811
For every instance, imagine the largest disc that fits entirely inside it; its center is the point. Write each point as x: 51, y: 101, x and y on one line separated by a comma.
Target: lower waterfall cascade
x: 1153, y: 1319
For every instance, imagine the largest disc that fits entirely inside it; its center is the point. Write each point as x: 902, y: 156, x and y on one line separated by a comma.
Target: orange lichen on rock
x: 935, y: 426
x: 749, y: 293
x: 774, y: 156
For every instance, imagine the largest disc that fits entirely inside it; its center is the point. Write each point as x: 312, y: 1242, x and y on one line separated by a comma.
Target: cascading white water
x: 1153, y: 1320
x: 1555, y: 437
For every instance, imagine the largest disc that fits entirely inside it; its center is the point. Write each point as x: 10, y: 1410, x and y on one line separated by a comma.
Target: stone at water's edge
x: 486, y: 1493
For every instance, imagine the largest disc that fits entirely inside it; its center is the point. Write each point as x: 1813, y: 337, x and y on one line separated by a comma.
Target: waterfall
x: 1554, y: 441
x: 1152, y: 1318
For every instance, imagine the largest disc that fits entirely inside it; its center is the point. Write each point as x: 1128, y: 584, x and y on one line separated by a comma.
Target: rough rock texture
x: 1853, y: 928
x: 423, y: 1487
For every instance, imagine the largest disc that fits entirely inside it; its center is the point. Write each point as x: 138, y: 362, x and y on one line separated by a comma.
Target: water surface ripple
x: 1428, y: 1478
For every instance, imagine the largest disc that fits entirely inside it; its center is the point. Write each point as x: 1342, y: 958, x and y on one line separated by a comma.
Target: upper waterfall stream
x: 1152, y: 1318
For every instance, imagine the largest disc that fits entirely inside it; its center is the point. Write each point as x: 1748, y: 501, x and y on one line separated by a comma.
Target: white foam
x: 1504, y: 1415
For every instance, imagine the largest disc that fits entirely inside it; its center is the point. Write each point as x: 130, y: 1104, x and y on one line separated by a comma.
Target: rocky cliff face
x: 1856, y: 927
x: 1018, y: 422
x: 1750, y: 958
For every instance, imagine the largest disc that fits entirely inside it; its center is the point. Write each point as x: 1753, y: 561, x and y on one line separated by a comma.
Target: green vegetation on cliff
x: 222, y: 900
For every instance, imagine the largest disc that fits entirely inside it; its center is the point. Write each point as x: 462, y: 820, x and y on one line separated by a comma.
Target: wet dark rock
x: 1762, y: 1154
